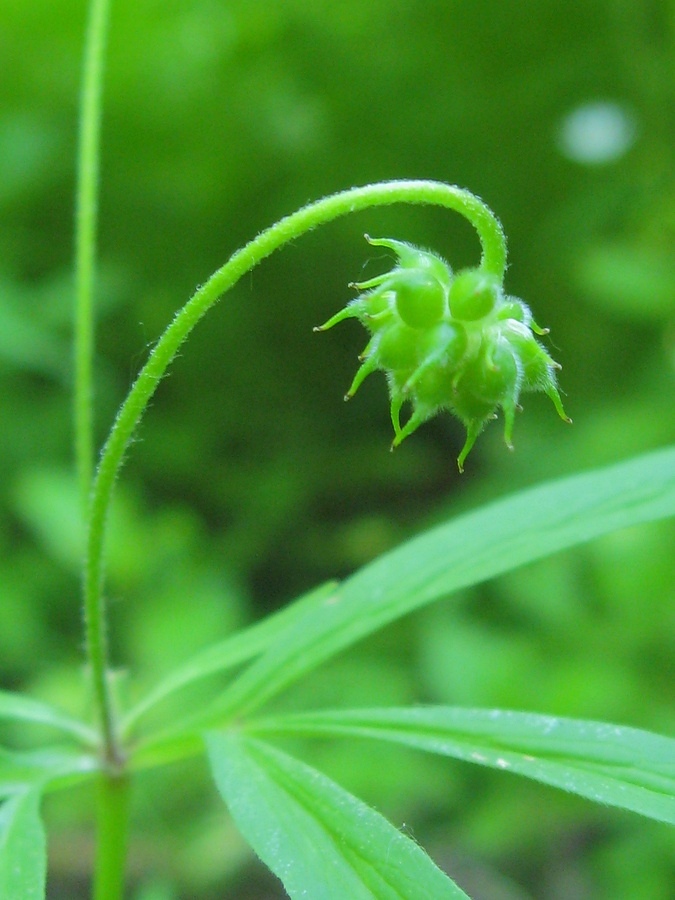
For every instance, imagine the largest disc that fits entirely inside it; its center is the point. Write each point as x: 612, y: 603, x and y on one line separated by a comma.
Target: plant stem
x: 113, y: 785
x: 287, y: 229
x: 85, y: 239
x: 112, y: 835
x: 86, y: 216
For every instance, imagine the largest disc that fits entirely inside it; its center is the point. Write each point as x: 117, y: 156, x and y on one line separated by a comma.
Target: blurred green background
x: 251, y: 480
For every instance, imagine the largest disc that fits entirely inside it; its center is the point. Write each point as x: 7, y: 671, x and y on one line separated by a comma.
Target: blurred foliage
x: 251, y: 480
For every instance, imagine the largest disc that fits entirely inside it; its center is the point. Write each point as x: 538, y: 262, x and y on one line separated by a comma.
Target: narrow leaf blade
x: 465, y: 551
x: 321, y: 841
x: 619, y: 766
x: 23, y: 848
x: 231, y: 652
x: 21, y: 770
x: 18, y: 707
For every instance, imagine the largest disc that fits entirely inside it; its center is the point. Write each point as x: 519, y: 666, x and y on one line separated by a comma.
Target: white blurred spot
x: 597, y: 133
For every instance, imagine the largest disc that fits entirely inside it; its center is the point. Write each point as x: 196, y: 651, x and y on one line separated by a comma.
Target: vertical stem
x: 85, y: 255
x: 113, y: 788
x: 112, y: 836
x: 85, y: 239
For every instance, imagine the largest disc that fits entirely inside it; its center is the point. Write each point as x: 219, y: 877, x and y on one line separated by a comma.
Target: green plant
x: 450, y: 341
x: 319, y: 839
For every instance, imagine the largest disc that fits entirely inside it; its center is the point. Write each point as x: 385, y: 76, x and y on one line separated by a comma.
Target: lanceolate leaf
x: 321, y: 841
x: 42, y: 769
x: 23, y: 852
x: 465, y: 551
x: 25, y: 709
x: 623, y: 767
x: 232, y: 651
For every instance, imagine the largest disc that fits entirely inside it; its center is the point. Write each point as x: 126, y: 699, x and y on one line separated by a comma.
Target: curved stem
x: 85, y: 240
x: 287, y: 229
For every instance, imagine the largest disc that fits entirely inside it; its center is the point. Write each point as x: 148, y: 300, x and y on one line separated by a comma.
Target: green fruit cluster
x: 450, y: 341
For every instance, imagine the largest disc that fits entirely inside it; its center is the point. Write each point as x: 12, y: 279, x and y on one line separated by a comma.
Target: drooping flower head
x: 450, y: 341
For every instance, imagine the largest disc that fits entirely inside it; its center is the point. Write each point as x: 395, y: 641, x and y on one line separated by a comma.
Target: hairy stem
x: 287, y: 229
x: 85, y: 239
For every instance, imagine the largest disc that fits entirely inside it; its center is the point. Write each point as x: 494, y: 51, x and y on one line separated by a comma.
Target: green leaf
x: 23, y: 848
x: 467, y: 550
x: 231, y: 652
x: 623, y: 767
x: 44, y: 768
x: 321, y: 841
x: 25, y: 709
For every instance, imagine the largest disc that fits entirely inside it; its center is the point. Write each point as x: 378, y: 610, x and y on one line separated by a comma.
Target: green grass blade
x: 610, y: 764
x: 467, y: 550
x: 321, y: 841
x: 23, y: 848
x: 231, y: 652
x: 24, y: 709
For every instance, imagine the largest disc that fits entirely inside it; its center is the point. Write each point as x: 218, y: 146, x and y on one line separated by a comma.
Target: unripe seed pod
x: 495, y: 375
x: 398, y: 347
x: 443, y: 348
x: 473, y: 295
x: 470, y: 408
x: 420, y: 297
x: 411, y: 257
x: 537, y: 365
x: 446, y: 343
x: 432, y: 387
x: 378, y: 310
x: 376, y: 303
x: 512, y: 308
x: 458, y: 344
